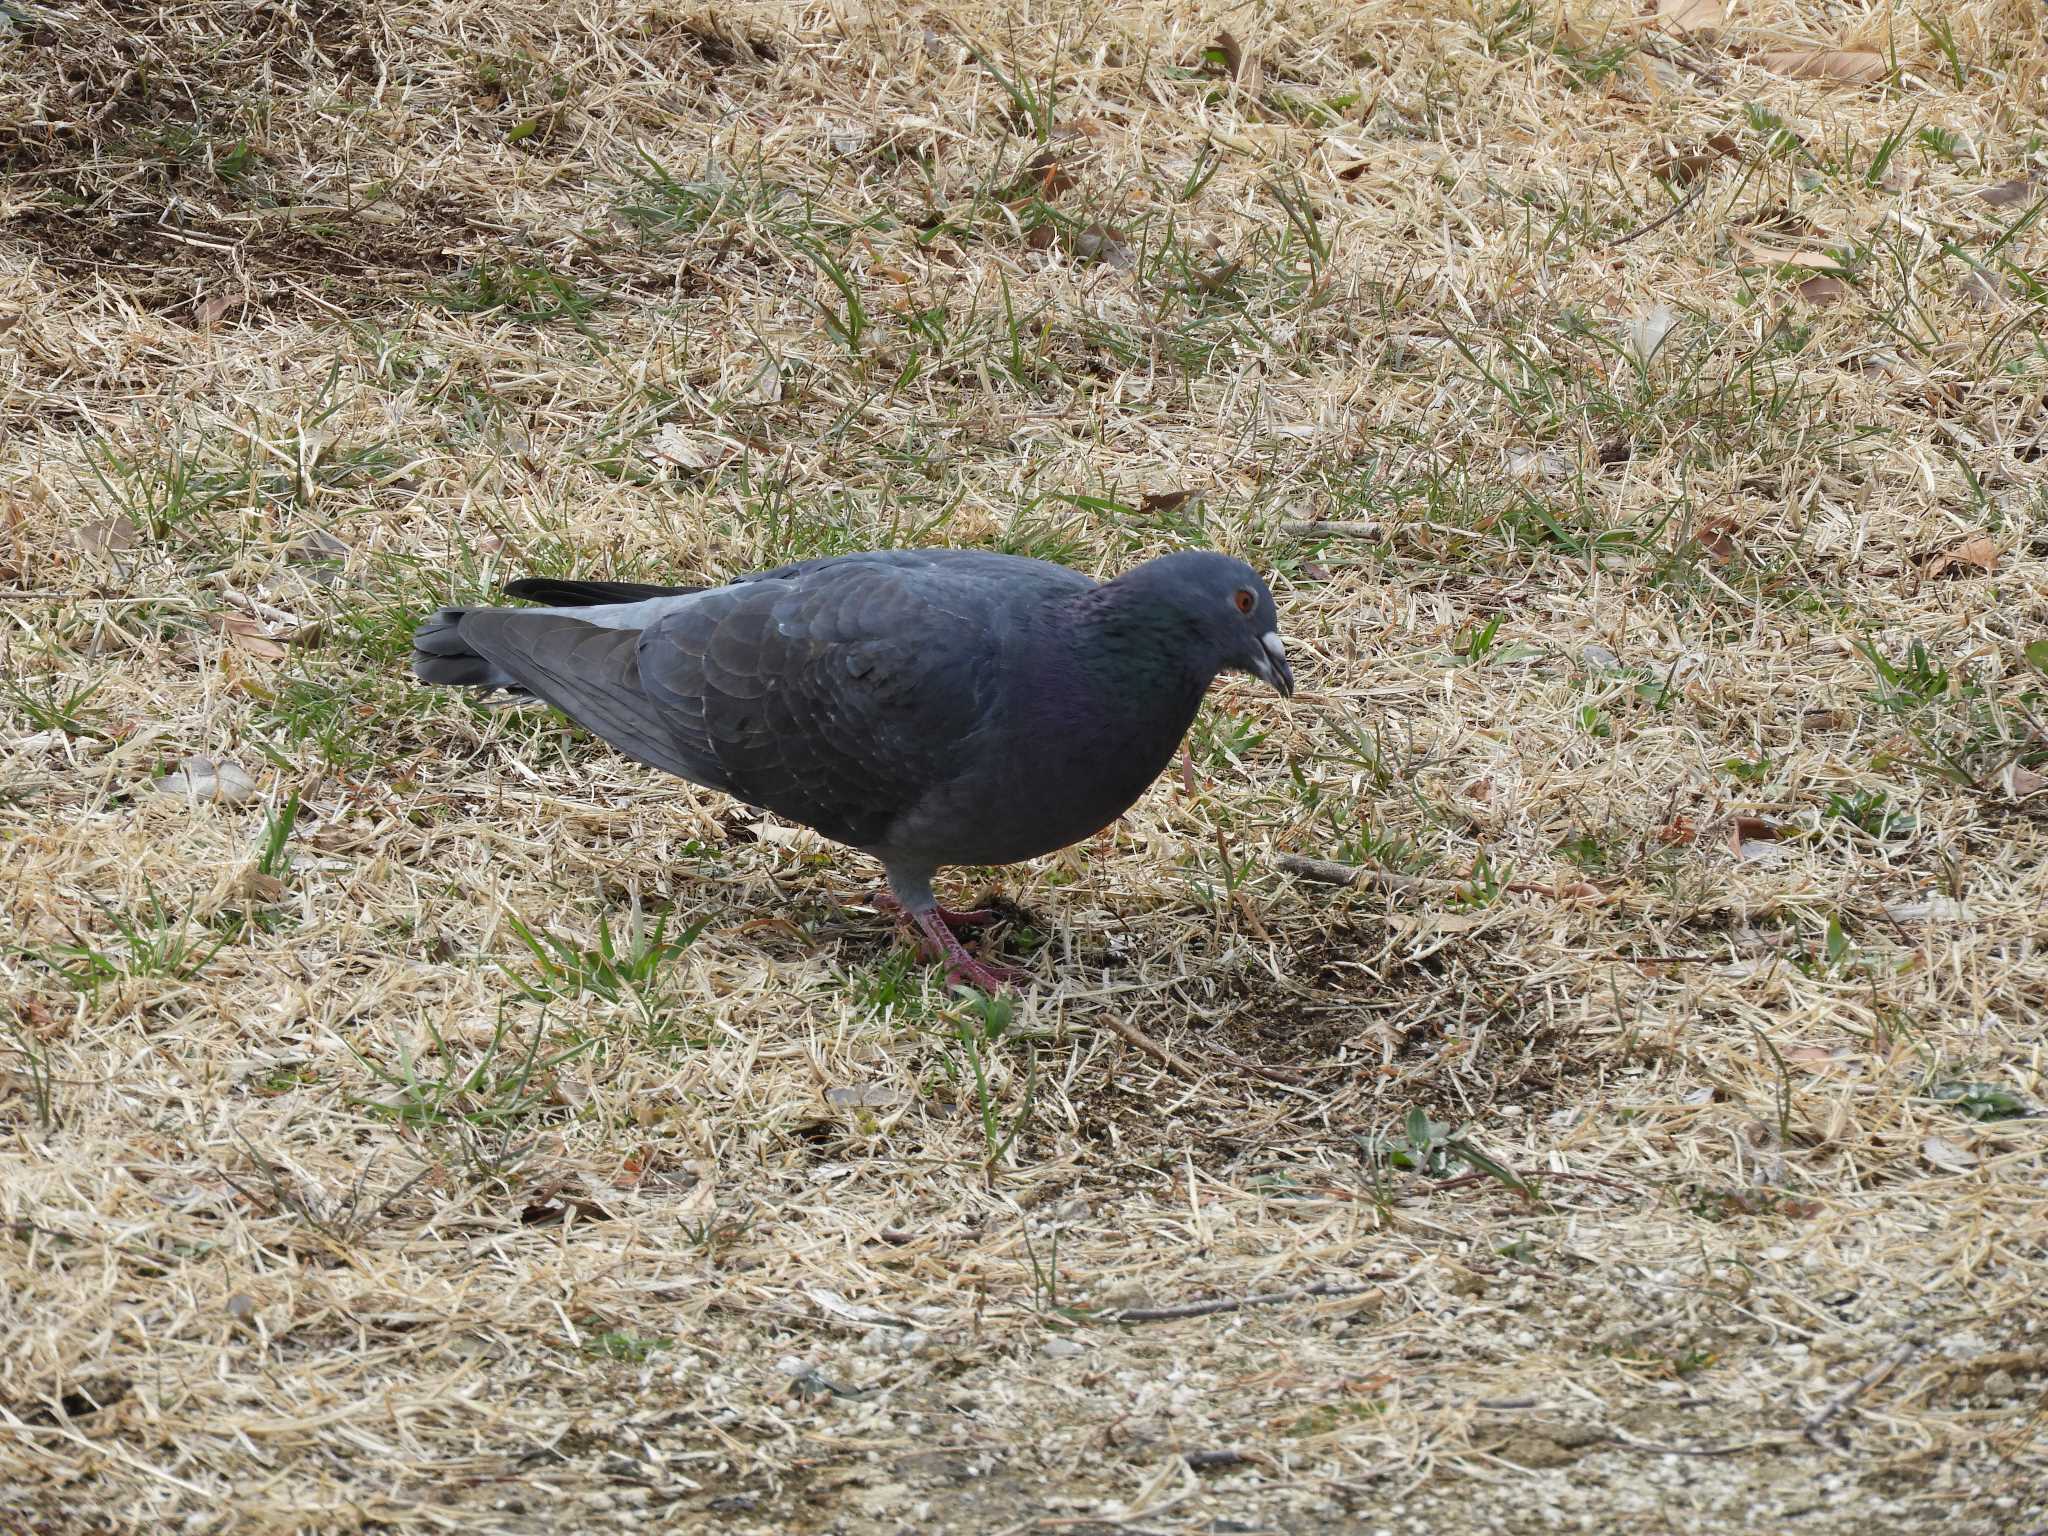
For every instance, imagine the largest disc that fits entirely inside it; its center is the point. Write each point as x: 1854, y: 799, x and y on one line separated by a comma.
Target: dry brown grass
x: 318, y: 1219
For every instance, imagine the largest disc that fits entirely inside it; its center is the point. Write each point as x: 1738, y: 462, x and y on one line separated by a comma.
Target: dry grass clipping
x: 419, y: 1118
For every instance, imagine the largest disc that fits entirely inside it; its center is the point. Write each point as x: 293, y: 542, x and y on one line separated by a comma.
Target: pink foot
x: 959, y: 922
x: 940, y: 943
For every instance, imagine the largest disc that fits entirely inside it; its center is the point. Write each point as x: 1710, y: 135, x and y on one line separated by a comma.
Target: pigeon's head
x: 1230, y: 610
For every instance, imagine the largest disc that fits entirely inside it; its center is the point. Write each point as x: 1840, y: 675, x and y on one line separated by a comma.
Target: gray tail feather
x: 440, y: 655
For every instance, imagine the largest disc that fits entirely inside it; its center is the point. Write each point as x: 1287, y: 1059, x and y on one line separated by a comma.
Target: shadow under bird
x: 927, y: 707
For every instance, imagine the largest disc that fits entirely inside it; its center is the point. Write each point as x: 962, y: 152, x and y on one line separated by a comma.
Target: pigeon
x: 925, y: 706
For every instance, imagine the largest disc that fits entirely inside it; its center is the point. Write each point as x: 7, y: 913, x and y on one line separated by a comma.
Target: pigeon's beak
x: 1272, y: 664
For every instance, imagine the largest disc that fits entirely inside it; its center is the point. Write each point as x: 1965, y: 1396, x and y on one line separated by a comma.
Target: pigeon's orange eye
x: 1244, y: 601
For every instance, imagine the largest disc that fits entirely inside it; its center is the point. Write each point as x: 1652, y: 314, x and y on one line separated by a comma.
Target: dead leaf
x: 1716, y: 539
x: 109, y: 536
x: 1937, y: 907
x: 201, y: 779
x: 687, y: 450
x: 1691, y: 18
x: 1053, y: 176
x: 1835, y: 66
x: 849, y: 138
x: 1976, y: 552
x: 250, y: 635
x: 2020, y: 781
x: 1683, y: 167
x: 1751, y: 838
x: 1223, y: 57
x: 1766, y: 253
x: 1678, y: 832
x: 1946, y: 1155
x: 831, y: 1302
x: 325, y: 556
x: 1816, y: 1058
x: 1539, y: 464
x: 1098, y: 242
x: 1821, y: 290
x: 1648, y: 331
x: 2007, y: 193
x: 254, y: 885
x: 1984, y: 289
x: 865, y: 1096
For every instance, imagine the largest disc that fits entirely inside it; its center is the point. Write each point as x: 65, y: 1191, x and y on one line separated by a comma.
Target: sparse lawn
x: 418, y: 1118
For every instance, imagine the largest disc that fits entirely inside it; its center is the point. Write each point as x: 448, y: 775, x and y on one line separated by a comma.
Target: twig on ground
x: 1329, y: 872
x: 1132, y: 1035
x: 1321, y: 1289
x: 1871, y: 1378
x: 1331, y: 528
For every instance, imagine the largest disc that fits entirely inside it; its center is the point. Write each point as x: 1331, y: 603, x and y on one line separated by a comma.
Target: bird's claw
x: 939, y: 942
x: 986, y: 975
x: 959, y: 922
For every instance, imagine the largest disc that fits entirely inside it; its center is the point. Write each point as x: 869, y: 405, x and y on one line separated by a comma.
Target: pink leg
x: 961, y: 966
x: 959, y: 922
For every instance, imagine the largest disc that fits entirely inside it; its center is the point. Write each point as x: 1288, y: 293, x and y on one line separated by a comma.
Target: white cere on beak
x: 1276, y: 671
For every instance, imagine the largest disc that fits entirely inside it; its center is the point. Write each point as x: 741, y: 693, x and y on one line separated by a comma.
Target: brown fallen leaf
x: 1691, y: 18
x: 1821, y: 289
x: 1678, y: 832
x: 109, y: 536
x: 250, y: 635
x: 1977, y: 552
x: 1223, y: 56
x: 2007, y: 193
x: 1984, y: 289
x: 254, y: 885
x: 1716, y: 539
x: 1749, y: 835
x: 1098, y: 242
x: 2020, y: 781
x: 1053, y: 176
x: 1770, y: 253
x: 1683, y: 167
x: 1818, y: 1058
x: 1834, y: 66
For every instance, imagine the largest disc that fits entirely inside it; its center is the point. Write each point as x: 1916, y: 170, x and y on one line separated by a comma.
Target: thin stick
x: 1665, y: 218
x: 1331, y: 528
x: 1861, y: 1385
x: 1131, y: 1034
x: 1330, y: 872
x: 1322, y: 1288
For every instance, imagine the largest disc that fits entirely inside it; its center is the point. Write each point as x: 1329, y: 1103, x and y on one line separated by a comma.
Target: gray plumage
x: 928, y: 707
